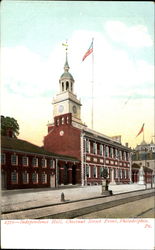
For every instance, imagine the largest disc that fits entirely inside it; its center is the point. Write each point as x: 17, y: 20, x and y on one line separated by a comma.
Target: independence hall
x: 70, y: 136
x: 72, y: 153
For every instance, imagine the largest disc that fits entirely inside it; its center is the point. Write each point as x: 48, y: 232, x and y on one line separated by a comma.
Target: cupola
x: 66, y: 81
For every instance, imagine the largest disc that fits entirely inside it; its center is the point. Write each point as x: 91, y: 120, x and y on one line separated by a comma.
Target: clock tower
x: 66, y: 101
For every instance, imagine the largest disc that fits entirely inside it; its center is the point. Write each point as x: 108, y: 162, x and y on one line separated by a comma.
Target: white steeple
x: 66, y: 81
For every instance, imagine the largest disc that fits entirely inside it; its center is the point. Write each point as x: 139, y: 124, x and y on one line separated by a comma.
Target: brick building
x: 68, y: 135
x: 144, y: 155
x: 25, y: 165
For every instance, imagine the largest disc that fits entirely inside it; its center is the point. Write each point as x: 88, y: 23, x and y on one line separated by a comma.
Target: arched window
x: 62, y: 120
x: 95, y: 172
x: 57, y: 122
x: 67, y: 85
x: 71, y: 86
x: 62, y: 86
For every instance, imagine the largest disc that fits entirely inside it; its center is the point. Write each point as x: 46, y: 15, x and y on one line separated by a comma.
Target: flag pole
x: 92, y: 115
x: 143, y: 135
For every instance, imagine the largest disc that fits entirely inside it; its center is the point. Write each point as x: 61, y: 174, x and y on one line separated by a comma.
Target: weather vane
x: 65, y: 45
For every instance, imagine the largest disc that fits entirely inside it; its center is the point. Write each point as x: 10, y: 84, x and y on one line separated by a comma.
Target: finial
x: 65, y: 45
x: 66, y: 66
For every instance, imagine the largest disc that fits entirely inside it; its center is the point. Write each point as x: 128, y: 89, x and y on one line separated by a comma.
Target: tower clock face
x: 61, y: 108
x: 74, y: 109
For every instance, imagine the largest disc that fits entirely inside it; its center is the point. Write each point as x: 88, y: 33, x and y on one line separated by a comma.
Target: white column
x: 82, y: 161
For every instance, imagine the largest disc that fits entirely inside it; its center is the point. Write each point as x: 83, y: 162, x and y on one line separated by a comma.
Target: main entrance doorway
x: 74, y: 175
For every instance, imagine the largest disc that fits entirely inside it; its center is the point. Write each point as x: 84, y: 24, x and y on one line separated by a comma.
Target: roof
x: 141, y: 156
x: 67, y: 75
x: 108, y: 140
x: 25, y: 146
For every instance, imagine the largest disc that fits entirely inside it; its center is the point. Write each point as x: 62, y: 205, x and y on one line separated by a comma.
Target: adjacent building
x: 144, y: 156
x: 25, y: 165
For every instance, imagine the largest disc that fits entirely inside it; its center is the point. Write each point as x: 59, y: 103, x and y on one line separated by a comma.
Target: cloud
x: 32, y: 81
x: 26, y: 73
x: 134, y: 36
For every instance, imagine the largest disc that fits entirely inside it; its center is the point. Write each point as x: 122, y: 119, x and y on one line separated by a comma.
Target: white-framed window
x: 120, y: 155
x: 87, y: 146
x: 111, y: 153
x: 101, y: 171
x: 121, y: 174
x: 106, y: 151
x: 14, y: 177
x: 25, y: 177
x: 115, y: 153
x: 44, y: 178
x: 25, y: 161
x: 67, y: 120
x: 34, y: 178
x: 124, y: 156
x: 101, y: 149
x: 94, y: 171
x: 62, y: 120
x: 94, y: 148
x: 88, y: 171
x: 14, y: 160
x: 35, y: 162
x: 57, y: 122
x: 52, y: 163
x: 3, y: 159
x: 43, y: 163
x: 125, y: 176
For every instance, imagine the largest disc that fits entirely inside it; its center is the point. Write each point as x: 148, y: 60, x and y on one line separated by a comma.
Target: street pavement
x: 76, y: 208
x: 27, y: 198
x: 13, y: 200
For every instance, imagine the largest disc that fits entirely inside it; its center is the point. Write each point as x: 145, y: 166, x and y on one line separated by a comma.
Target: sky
x: 32, y: 33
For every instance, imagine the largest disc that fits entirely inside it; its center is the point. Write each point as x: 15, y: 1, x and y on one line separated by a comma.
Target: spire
x: 66, y: 65
x: 66, y: 80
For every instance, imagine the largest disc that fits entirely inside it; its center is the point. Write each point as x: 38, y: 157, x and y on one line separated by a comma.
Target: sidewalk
x: 75, y: 209
x: 13, y: 200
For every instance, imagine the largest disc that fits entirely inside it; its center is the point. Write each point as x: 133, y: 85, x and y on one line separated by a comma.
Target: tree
x: 9, y: 126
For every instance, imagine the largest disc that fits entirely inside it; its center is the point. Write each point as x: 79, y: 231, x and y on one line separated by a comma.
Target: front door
x: 74, y: 175
x: 65, y: 175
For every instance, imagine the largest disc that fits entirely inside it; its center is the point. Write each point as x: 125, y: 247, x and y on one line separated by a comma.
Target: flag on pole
x: 141, y: 130
x: 89, y: 51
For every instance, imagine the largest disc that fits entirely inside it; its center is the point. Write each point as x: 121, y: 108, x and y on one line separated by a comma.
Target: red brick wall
x: 66, y: 144
x: 8, y: 168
